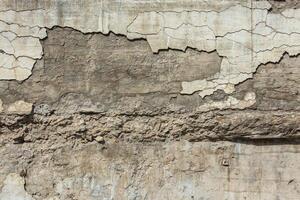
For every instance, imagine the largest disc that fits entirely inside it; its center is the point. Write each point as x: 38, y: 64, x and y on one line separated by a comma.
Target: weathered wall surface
x: 177, y: 170
x: 243, y: 32
x: 104, y: 99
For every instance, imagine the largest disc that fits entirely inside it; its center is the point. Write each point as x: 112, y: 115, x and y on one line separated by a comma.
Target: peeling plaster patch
x: 19, y: 49
x: 243, y: 33
x: 13, y: 189
x: 20, y: 107
x: 230, y: 103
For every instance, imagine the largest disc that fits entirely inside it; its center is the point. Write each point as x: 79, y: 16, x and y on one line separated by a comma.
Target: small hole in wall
x: 225, y: 162
x: 19, y: 140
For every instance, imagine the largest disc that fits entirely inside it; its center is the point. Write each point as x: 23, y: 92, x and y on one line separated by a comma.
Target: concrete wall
x: 173, y: 99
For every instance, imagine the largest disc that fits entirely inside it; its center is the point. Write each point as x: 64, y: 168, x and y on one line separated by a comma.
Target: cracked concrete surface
x: 244, y: 33
x: 19, y: 49
x: 78, y: 70
x: 134, y: 94
x: 99, y: 99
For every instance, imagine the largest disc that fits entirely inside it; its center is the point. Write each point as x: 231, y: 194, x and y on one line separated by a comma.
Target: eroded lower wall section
x: 177, y: 170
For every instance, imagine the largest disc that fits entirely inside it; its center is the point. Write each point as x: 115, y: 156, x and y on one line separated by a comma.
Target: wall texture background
x: 174, y: 99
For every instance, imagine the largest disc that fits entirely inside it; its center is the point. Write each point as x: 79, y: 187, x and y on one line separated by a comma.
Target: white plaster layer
x: 230, y: 103
x: 243, y: 33
x: 19, y: 49
x: 13, y: 188
x: 19, y: 107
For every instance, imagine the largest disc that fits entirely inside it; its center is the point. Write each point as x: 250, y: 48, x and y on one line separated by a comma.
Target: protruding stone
x: 100, y: 139
x: 20, y: 108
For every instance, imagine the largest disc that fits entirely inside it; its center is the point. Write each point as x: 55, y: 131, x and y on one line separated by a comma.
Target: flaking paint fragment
x: 230, y: 103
